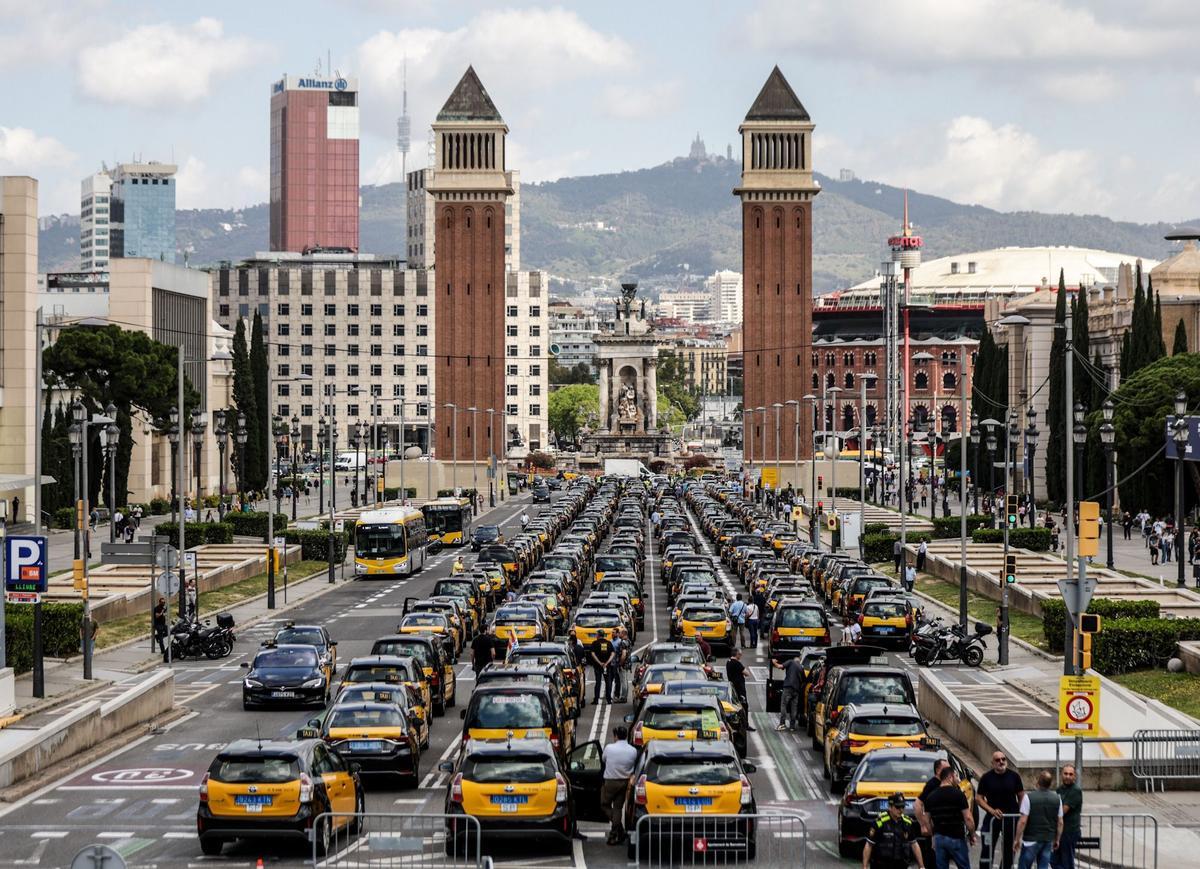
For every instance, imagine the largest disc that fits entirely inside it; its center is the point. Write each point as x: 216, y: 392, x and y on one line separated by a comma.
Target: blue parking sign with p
x: 25, y: 566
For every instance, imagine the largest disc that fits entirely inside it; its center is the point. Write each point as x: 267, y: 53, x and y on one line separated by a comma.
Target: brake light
x: 850, y: 797
x: 204, y: 789
x: 554, y: 740
x: 747, y: 792
x: 560, y: 792
x: 637, y: 737
x: 456, y: 795
x: 775, y: 635
x: 306, y: 788
x: 908, y: 621
x: 639, y: 791
x: 856, y: 743
x: 861, y: 620
x: 833, y: 715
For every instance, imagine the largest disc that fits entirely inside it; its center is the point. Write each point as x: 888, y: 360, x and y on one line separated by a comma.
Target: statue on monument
x: 627, y: 404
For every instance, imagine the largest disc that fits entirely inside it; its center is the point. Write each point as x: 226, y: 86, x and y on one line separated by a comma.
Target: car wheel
x: 359, y: 825
x: 439, y: 705
x: 211, y: 847
x: 847, y: 849
x: 326, y: 833
x: 453, y: 701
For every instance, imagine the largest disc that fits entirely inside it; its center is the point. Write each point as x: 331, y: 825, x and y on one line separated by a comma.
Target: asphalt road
x: 142, y: 800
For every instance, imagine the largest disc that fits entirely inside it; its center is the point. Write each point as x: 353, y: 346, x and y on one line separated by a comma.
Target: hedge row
x: 1054, y: 615
x: 878, y: 547
x: 1139, y: 644
x: 314, y: 545
x: 391, y: 493
x: 1033, y: 539
x: 61, y: 623
x: 255, y: 524
x: 949, y: 527
x: 449, y: 493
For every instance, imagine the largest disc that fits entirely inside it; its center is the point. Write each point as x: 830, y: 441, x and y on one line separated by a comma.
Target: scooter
x: 191, y: 639
x: 951, y: 644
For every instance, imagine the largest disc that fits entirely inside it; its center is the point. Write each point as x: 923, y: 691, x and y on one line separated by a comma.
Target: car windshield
x: 404, y: 650
x: 365, y: 718
x: 424, y: 620
x: 539, y: 658
x: 508, y: 712
x: 685, y: 718
x: 864, y: 584
x: 286, y: 658
x: 487, y: 532
x: 799, y: 617
x: 692, y: 771
x: 597, y: 620
x: 376, y: 673
x: 257, y: 770
x: 703, y: 614
x: 861, y: 688
x: 379, y: 541
x: 707, y: 688
x: 370, y: 695
x: 895, y: 769
x: 884, y: 610
x: 886, y: 725
x: 677, y: 656
x: 518, y: 770
x: 301, y: 636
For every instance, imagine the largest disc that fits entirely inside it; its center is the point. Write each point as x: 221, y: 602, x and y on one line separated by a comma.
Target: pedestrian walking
x: 922, y: 552
x: 160, y: 625
x: 760, y: 601
x: 619, y: 757
x: 621, y: 650
x: 752, y: 617
x: 1071, y: 796
x: 191, y: 600
x: 483, y: 649
x: 601, y: 654
x: 910, y: 577
x: 1153, y: 543
x: 999, y: 796
x: 737, y: 615
x: 892, y: 839
x: 1127, y: 524
x: 952, y: 822
x: 735, y: 672
x: 1039, y: 829
x: 16, y: 513
x: 897, y: 555
x: 931, y: 785
x: 793, y: 686
x: 851, y: 631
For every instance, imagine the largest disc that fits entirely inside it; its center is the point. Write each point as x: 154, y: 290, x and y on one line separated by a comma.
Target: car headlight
x: 314, y: 683
x: 360, y: 568
x: 397, y: 567
x: 252, y: 683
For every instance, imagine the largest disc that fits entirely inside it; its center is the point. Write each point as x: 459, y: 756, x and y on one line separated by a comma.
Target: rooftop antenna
x: 404, y: 126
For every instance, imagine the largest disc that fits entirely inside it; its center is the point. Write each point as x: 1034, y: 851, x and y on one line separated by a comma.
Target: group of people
x: 1036, y: 829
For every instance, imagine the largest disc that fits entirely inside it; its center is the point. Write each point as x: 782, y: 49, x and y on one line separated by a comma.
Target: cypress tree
x: 1056, y: 417
x: 1180, y: 344
x: 1081, y: 340
x: 244, y: 400
x: 1125, y: 352
x: 1159, y: 343
x: 262, y: 402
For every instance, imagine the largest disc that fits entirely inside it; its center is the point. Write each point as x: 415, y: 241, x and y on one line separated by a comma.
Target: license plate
x: 283, y: 694
x: 253, y: 802
x: 881, y: 805
x: 693, y: 804
x: 366, y: 745
x: 884, y: 629
x: 509, y: 808
x: 509, y: 799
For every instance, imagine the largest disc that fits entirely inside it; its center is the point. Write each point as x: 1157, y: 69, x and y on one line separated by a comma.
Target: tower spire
x: 906, y: 227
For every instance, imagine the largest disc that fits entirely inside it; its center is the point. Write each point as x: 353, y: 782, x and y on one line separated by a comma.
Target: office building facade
x: 142, y: 211
x: 314, y: 164
x: 94, y: 221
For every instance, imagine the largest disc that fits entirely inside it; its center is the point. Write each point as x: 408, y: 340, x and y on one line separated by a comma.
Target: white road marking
x: 51, y: 834
x: 110, y: 834
x: 177, y: 834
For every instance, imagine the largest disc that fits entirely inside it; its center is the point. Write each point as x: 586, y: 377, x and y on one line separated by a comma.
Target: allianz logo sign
x: 339, y: 84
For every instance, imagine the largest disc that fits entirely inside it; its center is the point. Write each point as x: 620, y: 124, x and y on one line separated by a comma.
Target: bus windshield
x: 380, y: 541
x: 440, y: 518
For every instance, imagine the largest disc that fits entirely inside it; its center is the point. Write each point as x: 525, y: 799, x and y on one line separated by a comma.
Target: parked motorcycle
x: 950, y: 644
x: 192, y: 639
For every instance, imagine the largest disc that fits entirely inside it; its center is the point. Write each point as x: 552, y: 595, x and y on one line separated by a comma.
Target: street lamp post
x: 241, y: 437
x: 384, y: 442
x: 795, y: 404
x: 835, y: 537
x: 295, y: 457
x: 1031, y: 445
x: 778, y: 467
x: 762, y: 459
x: 813, y: 536
x: 975, y: 441
x: 173, y: 437
x: 112, y: 432
x: 1108, y: 437
x: 280, y: 433
x: 1181, y: 438
x: 491, y: 412
x: 222, y: 434
x: 198, y: 426
x: 355, y: 437
x: 1079, y: 438
x: 453, y: 408
x: 991, y: 449
x: 474, y: 461
x: 322, y: 435
x: 933, y: 441
x: 78, y: 439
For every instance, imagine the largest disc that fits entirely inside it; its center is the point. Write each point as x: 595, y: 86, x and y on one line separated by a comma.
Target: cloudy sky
x: 1055, y: 105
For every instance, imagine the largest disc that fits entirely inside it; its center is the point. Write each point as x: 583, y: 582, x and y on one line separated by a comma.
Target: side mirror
x: 333, y: 643
x: 749, y: 768
x: 314, y: 722
x: 355, y: 767
x: 629, y: 718
x: 446, y: 766
x: 245, y: 665
x: 462, y: 713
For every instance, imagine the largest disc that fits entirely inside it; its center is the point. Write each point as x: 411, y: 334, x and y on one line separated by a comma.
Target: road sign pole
x: 1073, y: 584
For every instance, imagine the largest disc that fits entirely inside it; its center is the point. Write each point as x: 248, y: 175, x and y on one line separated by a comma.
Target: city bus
x: 448, y: 520
x: 390, y: 541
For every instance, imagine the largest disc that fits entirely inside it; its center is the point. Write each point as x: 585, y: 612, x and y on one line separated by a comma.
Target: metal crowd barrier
x: 349, y: 840
x: 766, y: 840
x: 1105, y: 842
x: 1160, y: 756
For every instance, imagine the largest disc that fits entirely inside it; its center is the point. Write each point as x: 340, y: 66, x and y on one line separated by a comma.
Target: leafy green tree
x: 672, y: 381
x: 245, y: 401
x: 561, y: 375
x: 1180, y: 345
x: 572, y: 407
x: 262, y: 403
x: 1056, y: 423
x: 103, y: 364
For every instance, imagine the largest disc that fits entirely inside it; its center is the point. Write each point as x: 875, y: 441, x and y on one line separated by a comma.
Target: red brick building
x: 777, y: 189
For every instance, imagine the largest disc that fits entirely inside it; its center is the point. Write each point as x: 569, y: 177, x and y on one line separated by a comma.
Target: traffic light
x: 1083, y: 657
x: 832, y: 522
x: 78, y: 580
x: 1089, y: 623
x: 1010, y: 569
x: 820, y: 482
x: 1012, y: 511
x: 1089, y: 528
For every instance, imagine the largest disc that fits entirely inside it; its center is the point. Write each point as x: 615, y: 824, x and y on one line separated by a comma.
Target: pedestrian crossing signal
x: 1010, y: 569
x: 1083, y: 643
x: 1012, y: 511
x: 1089, y: 623
x: 1089, y: 528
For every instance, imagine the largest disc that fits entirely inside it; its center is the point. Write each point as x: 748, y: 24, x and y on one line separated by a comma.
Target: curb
x: 45, y: 704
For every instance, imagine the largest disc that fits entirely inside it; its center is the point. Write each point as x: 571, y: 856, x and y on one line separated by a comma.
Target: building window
x: 330, y: 329
x: 283, y: 329
x: 422, y: 349
x: 377, y: 310
x: 949, y: 381
x: 284, y: 309
x: 535, y: 331
x: 510, y: 388
x: 397, y: 310
x: 397, y: 349
x: 306, y: 390
x: 535, y: 389
x: 511, y: 330
x: 849, y: 380
x: 422, y: 330
x: 351, y: 410
x: 511, y: 370
x: 816, y: 381
x: 377, y: 371
x: 306, y: 330
x: 535, y: 310
x: 422, y: 370
x: 284, y: 370
x: 305, y: 349
x: 422, y: 310
x: 306, y: 310
x: 511, y: 311
x: 330, y: 370
x: 535, y: 410
x: 331, y: 310
x: 422, y: 389
x: 921, y: 381
x: 535, y: 349
x: 352, y: 349
x: 352, y: 371
x: 306, y: 410
x: 535, y: 370
x: 398, y: 330
x: 283, y: 389
x: 352, y: 310
x: 510, y: 409
x: 223, y: 310
x: 331, y: 350
x: 397, y: 371
x: 511, y: 350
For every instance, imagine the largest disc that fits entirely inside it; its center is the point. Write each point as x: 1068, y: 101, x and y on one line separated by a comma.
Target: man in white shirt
x: 619, y: 757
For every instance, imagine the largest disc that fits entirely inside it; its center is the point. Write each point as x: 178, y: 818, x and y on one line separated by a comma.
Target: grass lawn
x: 1022, y: 625
x: 1178, y: 690
x: 120, y: 630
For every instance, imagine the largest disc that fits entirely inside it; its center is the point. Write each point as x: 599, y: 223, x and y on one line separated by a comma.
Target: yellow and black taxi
x: 435, y: 658
x: 667, y: 653
x: 435, y: 623
x: 809, y: 660
x: 549, y: 675
x: 513, y: 786
x: 708, y: 620
x: 285, y: 675
x: 473, y: 593
x: 519, y: 622
x: 571, y: 564
x: 377, y: 735
x: 519, y: 709
x: 574, y: 672
x: 691, y: 778
x: 506, y: 557
x: 677, y: 716
x: 655, y: 676
x: 311, y: 635
x: 857, y: 683
x: 276, y: 789
x: 797, y: 626
x: 607, y: 562
x: 864, y: 727
x: 880, y: 774
x: 554, y: 610
x: 886, y: 621
x: 857, y: 588
x: 459, y: 630
x: 735, y: 714
x: 393, y: 669
x: 589, y: 624
x: 406, y: 698
x: 496, y: 576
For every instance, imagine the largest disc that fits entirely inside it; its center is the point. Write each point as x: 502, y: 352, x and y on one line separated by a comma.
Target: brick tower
x: 469, y: 190
x: 777, y: 190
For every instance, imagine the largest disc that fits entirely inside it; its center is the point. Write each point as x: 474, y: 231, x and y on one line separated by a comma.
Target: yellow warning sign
x: 797, y: 513
x: 770, y: 478
x: 1079, y: 706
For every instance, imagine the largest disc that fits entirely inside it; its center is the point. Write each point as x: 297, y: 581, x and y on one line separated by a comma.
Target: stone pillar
x: 652, y: 394
x: 605, y: 390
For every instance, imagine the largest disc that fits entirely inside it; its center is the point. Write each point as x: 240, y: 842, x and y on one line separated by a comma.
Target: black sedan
x: 285, y: 675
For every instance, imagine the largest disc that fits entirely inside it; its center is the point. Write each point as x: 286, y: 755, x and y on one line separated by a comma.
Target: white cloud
x: 550, y: 167
x: 164, y: 64
x: 24, y: 152
x: 1088, y: 86
x: 33, y: 32
x: 198, y: 186
x: 634, y: 102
